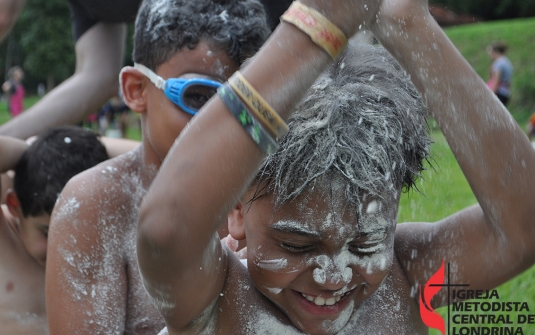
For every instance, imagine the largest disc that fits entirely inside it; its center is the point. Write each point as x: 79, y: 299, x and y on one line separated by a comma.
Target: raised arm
x: 9, y: 13
x: 11, y: 150
x: 210, y: 165
x: 493, y: 242
x: 99, y: 57
x: 118, y: 146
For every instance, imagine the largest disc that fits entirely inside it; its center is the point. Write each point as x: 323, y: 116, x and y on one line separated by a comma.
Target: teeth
x: 330, y: 301
x: 320, y: 301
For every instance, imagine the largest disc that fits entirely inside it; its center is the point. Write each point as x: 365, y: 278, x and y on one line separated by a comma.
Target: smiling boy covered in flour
x: 93, y: 280
x: 324, y: 252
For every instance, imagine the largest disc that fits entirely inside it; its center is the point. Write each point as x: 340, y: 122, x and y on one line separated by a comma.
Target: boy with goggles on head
x: 93, y: 280
x: 324, y: 252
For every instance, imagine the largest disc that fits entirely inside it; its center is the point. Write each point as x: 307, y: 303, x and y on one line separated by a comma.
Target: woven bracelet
x: 258, y: 106
x: 322, y: 31
x: 255, y: 130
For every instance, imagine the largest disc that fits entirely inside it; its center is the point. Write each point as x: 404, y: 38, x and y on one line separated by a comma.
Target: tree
x: 492, y: 9
x: 44, y: 31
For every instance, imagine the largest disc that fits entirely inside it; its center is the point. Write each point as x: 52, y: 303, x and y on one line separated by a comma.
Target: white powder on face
x: 341, y: 321
x: 275, y: 290
x: 296, y: 227
x: 218, y: 68
x: 272, y: 264
x: 336, y: 269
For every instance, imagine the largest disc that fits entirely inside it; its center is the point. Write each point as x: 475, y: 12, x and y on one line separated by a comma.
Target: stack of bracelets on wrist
x: 252, y: 127
x: 254, y: 110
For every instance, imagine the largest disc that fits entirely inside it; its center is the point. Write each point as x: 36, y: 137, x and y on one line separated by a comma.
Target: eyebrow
x: 294, y: 227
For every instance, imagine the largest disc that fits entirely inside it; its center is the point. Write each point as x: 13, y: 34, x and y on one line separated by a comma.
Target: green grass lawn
x: 519, y: 34
x: 444, y: 190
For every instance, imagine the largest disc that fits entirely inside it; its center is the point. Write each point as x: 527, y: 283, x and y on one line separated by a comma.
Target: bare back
x: 93, y: 273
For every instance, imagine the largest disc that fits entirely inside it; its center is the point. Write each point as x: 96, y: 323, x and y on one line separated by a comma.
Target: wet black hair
x: 362, y: 123
x: 47, y: 165
x: 164, y: 27
x: 500, y: 47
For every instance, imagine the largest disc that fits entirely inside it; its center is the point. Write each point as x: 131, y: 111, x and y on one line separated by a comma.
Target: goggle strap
x: 154, y: 78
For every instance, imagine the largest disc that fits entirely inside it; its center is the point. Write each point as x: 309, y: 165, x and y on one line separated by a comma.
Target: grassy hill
x: 444, y: 188
x: 519, y: 34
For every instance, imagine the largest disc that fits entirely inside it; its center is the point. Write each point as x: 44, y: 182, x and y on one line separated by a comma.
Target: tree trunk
x: 50, y: 82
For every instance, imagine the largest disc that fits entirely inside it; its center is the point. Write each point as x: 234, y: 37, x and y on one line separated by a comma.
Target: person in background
x: 14, y: 89
x: 501, y: 72
x: 41, y: 170
x: 99, y: 29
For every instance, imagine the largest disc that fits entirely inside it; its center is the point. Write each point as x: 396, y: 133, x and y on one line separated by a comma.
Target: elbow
x: 160, y: 226
x: 152, y: 230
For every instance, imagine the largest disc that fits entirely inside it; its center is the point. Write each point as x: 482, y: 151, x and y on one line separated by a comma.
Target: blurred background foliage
x: 42, y: 43
x: 491, y: 9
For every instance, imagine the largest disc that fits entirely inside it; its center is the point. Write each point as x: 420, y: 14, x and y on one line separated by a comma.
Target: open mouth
x: 318, y: 305
x: 320, y: 301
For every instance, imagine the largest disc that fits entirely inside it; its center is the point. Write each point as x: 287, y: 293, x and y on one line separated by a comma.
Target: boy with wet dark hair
x: 183, y: 50
x: 324, y: 252
x: 48, y: 164
x: 41, y: 171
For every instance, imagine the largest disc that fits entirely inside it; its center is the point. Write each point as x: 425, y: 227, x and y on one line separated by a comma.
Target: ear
x: 13, y: 205
x: 236, y: 227
x: 133, y: 85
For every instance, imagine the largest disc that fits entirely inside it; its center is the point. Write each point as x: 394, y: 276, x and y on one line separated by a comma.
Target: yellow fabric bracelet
x: 258, y: 106
x: 322, y: 31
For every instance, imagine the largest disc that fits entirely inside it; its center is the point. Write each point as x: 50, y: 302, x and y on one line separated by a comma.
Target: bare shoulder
x: 111, y: 185
x: 240, y: 308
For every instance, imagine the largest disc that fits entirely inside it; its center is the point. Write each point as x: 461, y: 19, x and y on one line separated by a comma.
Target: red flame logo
x: 429, y: 316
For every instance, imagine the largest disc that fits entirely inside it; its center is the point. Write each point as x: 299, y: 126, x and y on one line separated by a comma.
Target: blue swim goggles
x: 188, y: 94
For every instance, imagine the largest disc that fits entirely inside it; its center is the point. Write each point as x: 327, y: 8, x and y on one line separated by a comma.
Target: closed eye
x: 295, y: 248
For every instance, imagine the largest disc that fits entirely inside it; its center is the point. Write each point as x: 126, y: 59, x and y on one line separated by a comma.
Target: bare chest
x: 22, y: 291
x: 389, y: 311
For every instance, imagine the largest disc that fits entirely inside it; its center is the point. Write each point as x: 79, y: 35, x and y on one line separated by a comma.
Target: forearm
x: 11, y: 150
x: 118, y: 146
x: 9, y: 13
x: 69, y: 103
x: 488, y: 144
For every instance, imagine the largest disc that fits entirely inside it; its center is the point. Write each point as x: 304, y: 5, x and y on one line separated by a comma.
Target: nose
x: 332, y: 273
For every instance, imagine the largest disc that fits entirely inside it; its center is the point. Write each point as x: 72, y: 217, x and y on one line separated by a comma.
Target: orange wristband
x: 322, y: 31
